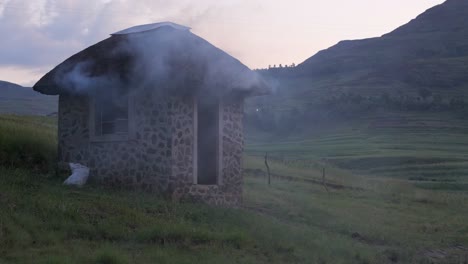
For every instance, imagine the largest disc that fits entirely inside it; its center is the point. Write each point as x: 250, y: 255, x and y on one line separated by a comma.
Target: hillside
x: 16, y: 99
x: 430, y: 51
x: 422, y: 65
x: 295, y: 220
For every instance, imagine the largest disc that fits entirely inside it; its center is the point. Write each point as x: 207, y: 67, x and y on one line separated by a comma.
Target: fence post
x: 323, y: 179
x: 268, y: 168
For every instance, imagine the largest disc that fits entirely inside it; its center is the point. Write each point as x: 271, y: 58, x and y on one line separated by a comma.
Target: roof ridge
x: 150, y: 27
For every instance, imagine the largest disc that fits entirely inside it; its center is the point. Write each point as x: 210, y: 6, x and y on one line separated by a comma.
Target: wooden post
x: 268, y: 168
x: 323, y: 179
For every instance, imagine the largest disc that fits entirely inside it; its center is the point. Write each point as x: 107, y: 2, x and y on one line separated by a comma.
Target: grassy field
x: 28, y: 142
x: 35, y: 106
x: 15, y: 99
x: 407, y: 146
x: 378, y: 204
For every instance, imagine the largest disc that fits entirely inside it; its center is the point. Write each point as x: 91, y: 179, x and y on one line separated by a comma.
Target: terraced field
x: 424, y: 149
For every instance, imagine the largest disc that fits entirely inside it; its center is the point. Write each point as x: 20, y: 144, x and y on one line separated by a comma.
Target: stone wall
x: 233, y: 148
x: 73, y: 130
x: 159, y: 158
x: 229, y: 191
x: 143, y: 162
x: 182, y: 130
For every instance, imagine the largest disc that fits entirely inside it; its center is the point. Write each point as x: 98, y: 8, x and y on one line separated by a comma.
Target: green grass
x: 389, y: 215
x: 28, y: 142
x: 417, y: 146
x: 371, y: 212
x: 45, y: 219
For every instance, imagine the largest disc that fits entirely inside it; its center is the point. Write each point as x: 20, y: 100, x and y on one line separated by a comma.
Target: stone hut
x: 155, y: 108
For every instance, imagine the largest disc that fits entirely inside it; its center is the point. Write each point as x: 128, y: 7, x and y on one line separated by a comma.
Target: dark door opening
x: 207, y: 141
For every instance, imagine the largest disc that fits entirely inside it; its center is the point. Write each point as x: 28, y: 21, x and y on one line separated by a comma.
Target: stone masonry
x: 159, y: 157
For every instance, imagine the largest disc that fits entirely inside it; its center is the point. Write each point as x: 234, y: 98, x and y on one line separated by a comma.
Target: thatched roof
x: 160, y: 57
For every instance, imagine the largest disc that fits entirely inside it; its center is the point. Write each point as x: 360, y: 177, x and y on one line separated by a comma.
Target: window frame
x: 130, y: 135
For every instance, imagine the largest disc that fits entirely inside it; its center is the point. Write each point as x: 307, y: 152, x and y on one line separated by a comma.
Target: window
x: 110, y: 117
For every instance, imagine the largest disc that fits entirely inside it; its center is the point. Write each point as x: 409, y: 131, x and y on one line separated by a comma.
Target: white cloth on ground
x: 79, y: 175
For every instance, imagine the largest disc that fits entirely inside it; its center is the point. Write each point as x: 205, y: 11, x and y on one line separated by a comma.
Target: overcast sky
x: 36, y: 35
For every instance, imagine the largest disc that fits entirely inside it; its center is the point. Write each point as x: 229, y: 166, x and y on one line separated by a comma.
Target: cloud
x: 45, y: 32
x: 39, y: 34
x: 25, y: 76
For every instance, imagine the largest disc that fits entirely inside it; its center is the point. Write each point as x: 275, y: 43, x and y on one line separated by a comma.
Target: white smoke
x: 79, y: 79
x: 167, y: 59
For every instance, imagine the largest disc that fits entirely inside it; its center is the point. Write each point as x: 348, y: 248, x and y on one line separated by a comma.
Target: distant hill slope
x: 421, y: 66
x: 16, y: 99
x: 430, y: 51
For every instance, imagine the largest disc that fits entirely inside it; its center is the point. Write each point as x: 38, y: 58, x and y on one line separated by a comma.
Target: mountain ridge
x: 435, y: 33
x: 419, y: 66
x: 430, y: 51
x: 19, y: 100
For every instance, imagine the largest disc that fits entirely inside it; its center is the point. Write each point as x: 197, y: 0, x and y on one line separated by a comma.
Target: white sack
x: 79, y: 175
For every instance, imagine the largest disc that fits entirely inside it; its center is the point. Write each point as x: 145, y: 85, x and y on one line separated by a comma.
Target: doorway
x: 208, y: 131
